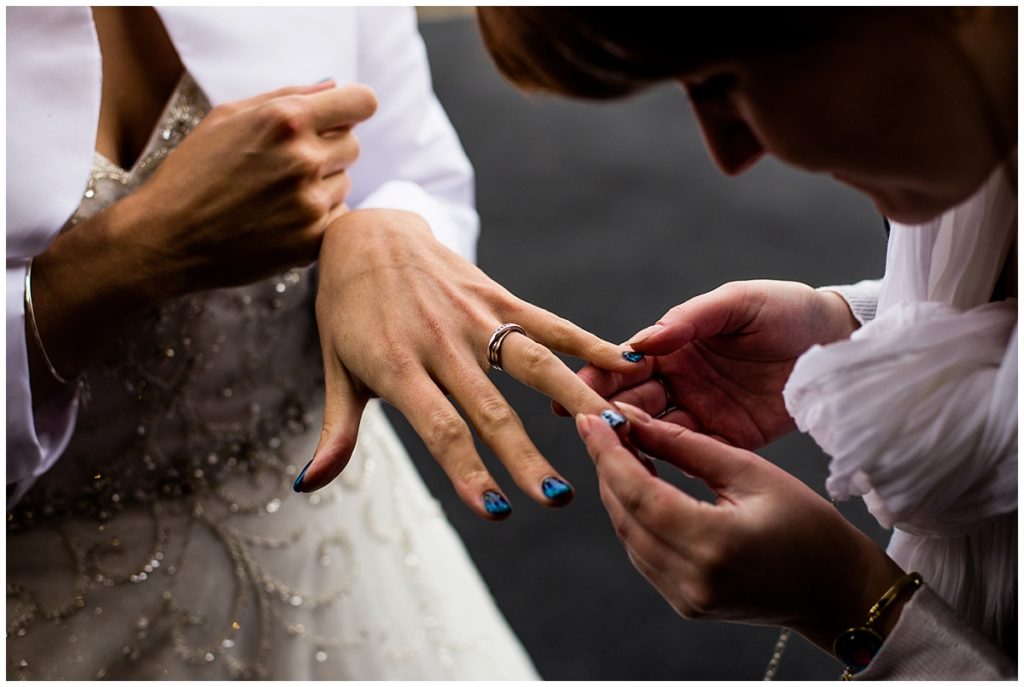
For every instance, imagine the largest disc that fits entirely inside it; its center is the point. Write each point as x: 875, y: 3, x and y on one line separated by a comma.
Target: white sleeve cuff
x: 35, y: 440
x: 862, y: 297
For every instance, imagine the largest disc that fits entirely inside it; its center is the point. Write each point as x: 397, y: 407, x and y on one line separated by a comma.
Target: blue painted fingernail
x: 633, y: 356
x: 612, y: 418
x: 555, y: 489
x: 297, y: 486
x: 496, y: 504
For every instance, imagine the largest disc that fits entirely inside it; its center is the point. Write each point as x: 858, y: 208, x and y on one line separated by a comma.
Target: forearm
x: 85, y: 285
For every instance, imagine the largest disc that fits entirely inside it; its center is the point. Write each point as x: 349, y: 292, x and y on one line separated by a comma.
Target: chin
x: 909, y: 214
x: 906, y: 206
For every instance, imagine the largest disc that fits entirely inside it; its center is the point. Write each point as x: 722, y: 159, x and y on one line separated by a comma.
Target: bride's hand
x: 250, y: 191
x: 404, y: 318
x: 247, y: 193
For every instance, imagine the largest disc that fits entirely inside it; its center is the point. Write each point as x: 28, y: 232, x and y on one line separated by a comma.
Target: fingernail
x: 633, y: 356
x: 555, y: 489
x: 582, y: 426
x: 613, y: 418
x: 325, y: 79
x: 496, y: 504
x: 645, y: 333
x: 297, y: 486
x: 639, y: 414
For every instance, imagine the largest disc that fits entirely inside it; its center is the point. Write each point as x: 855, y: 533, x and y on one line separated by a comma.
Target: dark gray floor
x: 609, y: 215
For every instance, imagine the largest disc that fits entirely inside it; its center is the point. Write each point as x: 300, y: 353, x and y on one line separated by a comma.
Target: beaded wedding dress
x: 167, y: 543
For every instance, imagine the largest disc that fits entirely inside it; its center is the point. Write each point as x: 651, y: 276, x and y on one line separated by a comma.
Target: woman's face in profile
x: 880, y: 109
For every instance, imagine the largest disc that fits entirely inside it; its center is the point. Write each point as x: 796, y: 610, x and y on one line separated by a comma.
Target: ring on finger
x: 669, y: 404
x: 497, y: 338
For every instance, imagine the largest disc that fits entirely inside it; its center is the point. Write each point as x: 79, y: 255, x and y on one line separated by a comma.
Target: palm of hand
x: 728, y: 387
x: 723, y: 359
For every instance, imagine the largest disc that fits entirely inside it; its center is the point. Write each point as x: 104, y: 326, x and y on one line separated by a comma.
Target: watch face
x: 856, y: 647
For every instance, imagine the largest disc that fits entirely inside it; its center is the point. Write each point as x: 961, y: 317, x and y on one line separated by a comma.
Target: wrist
x: 155, y: 272
x: 857, y: 646
x: 852, y: 580
x: 842, y: 322
x: 88, y: 281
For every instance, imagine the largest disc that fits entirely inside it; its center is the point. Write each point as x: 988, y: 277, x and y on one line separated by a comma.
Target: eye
x: 714, y: 87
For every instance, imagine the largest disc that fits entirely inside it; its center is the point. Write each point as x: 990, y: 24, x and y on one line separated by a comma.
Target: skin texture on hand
x: 768, y: 550
x: 723, y: 358
x: 248, y: 193
x: 404, y: 318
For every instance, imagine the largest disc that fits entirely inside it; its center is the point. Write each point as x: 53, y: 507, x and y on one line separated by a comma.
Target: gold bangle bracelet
x: 30, y: 313
x: 858, y: 645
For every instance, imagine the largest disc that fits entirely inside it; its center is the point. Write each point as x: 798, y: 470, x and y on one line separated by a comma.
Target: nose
x: 729, y: 140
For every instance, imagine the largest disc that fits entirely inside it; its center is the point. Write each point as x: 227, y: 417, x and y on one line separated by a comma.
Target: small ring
x: 669, y: 404
x: 494, y: 344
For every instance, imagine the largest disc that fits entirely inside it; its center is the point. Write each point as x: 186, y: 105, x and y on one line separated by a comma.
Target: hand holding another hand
x: 718, y: 363
x: 768, y: 550
x: 251, y: 190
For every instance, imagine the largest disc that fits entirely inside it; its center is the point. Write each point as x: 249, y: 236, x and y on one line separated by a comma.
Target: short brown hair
x: 607, y: 52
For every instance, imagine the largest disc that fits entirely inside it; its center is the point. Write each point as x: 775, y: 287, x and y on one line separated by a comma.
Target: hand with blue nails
x: 404, y: 318
x: 718, y: 362
x: 768, y: 550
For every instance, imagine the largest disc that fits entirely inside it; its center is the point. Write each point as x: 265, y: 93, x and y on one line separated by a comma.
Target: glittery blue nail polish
x: 612, y: 418
x: 555, y: 489
x: 633, y: 356
x: 297, y: 486
x: 496, y: 504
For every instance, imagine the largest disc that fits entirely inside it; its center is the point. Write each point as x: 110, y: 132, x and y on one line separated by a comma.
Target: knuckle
x: 536, y: 358
x: 315, y: 201
x: 221, y: 113
x: 289, y: 115
x: 655, y: 513
x: 496, y: 414
x: 396, y: 362
x: 351, y: 149
x: 307, y: 159
x: 446, y: 430
x: 703, y: 598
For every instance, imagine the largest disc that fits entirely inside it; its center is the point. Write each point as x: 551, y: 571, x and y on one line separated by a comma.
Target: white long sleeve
x: 411, y: 157
x: 48, y: 161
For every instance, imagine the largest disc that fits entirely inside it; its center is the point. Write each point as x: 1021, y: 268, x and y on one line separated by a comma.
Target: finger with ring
x: 497, y: 339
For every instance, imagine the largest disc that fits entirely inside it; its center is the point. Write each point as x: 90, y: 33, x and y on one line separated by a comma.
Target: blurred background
x: 609, y: 215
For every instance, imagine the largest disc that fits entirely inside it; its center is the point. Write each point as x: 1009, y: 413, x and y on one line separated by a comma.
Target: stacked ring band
x: 494, y: 344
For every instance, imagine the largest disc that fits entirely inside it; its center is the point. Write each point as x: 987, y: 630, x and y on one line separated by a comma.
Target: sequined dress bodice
x: 195, y: 390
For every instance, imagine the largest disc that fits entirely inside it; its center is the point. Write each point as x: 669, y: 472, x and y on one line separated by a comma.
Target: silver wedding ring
x: 494, y: 344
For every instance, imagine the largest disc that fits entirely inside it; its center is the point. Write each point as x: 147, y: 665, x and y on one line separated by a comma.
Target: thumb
x: 343, y: 409
x: 725, y: 469
x: 725, y: 310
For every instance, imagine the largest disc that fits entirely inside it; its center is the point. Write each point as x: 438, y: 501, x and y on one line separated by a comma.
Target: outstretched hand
x: 767, y: 551
x: 404, y: 318
x: 718, y: 363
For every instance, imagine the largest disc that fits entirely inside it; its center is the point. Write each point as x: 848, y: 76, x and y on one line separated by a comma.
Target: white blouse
x: 918, y: 409
x: 411, y: 158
